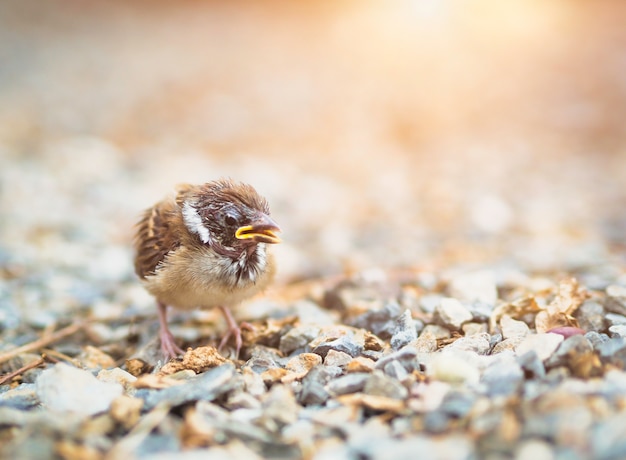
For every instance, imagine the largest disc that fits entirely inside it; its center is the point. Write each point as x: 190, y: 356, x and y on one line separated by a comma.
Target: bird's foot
x: 234, y: 330
x: 168, y: 344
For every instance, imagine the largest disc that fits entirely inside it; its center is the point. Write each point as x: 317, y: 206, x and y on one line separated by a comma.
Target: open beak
x: 263, y: 230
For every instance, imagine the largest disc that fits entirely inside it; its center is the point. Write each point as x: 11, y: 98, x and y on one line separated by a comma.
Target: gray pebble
x: 619, y: 330
x: 22, y: 397
x: 381, y: 322
x: 570, y: 347
x: 591, y: 316
x: 531, y: 365
x: 204, y: 387
x: 595, y: 338
x: 346, y: 343
x: 350, y: 383
x: 297, y: 338
x: 458, y: 403
x: 380, y: 384
x: 65, y: 388
x: 478, y: 343
x: 503, y: 377
x: 613, y: 319
x: 406, y: 356
x: 396, y: 370
x: 404, y: 330
x: 616, y: 300
x: 313, y: 389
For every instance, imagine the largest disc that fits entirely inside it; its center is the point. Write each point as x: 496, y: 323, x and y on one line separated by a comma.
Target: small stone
x: 595, y: 338
x: 350, y: 383
x: 531, y: 365
x: 300, y: 365
x: 513, y: 328
x: 406, y: 356
x: 205, y: 387
x: 339, y: 338
x: 303, y: 362
x: 382, y: 322
x: 117, y: 375
x: 613, y: 352
x: 435, y: 331
x: 379, y: 384
x: 126, y: 410
x: 478, y: 343
x: 619, y: 330
x: 276, y: 374
x: 503, y: 377
x: 372, y: 343
x: 298, y: 338
x: 64, y: 388
x: 253, y: 382
x: 569, y: 349
x: 397, y: 371
x: 543, y: 344
x: 507, y: 344
x: 337, y: 358
x: 22, y: 397
x: 457, y: 403
x: 474, y: 328
x: 534, y: 449
x: 404, y: 331
x: 451, y: 313
x: 361, y: 364
x: 613, y: 319
x: 280, y: 405
x: 591, y: 316
x: 453, y: 367
x: 616, y: 299
x: 313, y: 385
x: 424, y: 344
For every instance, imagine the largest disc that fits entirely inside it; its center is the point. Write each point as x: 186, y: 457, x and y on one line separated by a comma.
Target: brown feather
x: 155, y: 238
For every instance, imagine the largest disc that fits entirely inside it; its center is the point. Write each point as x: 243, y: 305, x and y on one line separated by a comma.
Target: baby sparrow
x: 206, y: 247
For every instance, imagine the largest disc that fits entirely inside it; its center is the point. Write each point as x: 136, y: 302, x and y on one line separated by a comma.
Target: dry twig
x: 42, y: 342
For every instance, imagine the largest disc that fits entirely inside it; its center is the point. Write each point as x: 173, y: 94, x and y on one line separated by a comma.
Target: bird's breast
x: 190, y: 279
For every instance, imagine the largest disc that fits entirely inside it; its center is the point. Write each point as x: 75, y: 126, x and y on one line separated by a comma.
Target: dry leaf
x: 559, y: 311
x: 516, y: 309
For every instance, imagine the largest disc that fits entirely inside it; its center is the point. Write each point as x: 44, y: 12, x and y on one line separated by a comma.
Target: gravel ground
x: 450, y: 182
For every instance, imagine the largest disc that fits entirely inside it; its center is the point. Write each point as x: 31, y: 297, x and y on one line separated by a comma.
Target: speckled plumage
x: 188, y: 254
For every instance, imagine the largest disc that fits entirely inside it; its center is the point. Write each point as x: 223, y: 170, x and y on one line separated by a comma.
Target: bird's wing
x: 156, y: 237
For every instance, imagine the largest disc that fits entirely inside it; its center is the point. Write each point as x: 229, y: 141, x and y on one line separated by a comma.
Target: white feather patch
x: 193, y: 221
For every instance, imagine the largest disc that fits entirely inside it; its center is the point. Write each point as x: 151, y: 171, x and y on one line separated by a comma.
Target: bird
x: 206, y: 246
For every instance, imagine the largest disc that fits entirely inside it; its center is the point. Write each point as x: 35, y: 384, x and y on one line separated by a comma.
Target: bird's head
x: 230, y: 217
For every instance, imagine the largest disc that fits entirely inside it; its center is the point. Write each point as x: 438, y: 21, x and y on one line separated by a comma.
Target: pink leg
x: 233, y: 330
x: 168, y: 345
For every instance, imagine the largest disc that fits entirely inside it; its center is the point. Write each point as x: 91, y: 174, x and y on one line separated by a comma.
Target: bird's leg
x: 168, y: 345
x: 234, y: 329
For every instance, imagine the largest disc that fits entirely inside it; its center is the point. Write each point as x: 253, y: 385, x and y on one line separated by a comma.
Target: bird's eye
x: 230, y: 221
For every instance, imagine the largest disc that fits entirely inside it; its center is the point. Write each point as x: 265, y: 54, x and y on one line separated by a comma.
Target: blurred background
x: 384, y: 134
